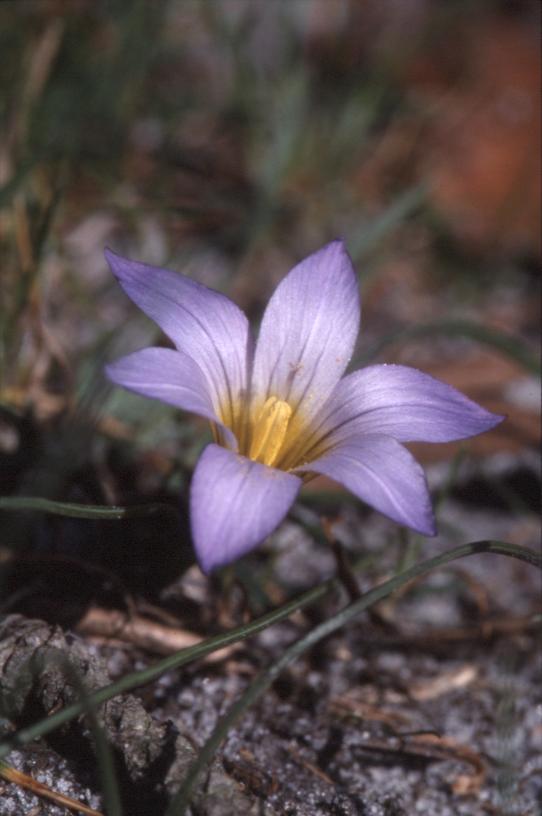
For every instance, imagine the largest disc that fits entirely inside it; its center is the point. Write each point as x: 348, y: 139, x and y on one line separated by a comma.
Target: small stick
x: 344, y: 570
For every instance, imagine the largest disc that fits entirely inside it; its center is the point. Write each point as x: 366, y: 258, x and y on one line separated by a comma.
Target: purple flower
x: 280, y: 409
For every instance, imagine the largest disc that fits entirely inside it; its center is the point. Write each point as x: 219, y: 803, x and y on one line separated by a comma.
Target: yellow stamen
x: 269, y: 431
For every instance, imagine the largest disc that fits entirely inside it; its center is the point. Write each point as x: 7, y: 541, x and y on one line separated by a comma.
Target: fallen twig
x: 142, y: 632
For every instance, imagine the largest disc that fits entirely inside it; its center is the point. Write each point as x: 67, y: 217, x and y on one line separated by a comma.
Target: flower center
x: 269, y: 430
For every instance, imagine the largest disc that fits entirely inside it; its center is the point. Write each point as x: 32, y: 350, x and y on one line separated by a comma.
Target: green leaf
x: 83, y: 511
x: 184, y: 656
x: 181, y: 800
x: 140, y: 678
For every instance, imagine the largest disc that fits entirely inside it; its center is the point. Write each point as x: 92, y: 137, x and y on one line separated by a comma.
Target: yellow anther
x: 269, y: 431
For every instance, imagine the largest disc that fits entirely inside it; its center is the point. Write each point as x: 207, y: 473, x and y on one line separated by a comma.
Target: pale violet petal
x: 235, y: 504
x: 202, y: 323
x: 308, y: 331
x: 401, y: 402
x: 381, y: 472
x: 169, y: 376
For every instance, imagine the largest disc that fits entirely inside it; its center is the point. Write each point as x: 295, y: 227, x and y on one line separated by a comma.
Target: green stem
x: 180, y: 658
x: 181, y: 800
x: 83, y: 511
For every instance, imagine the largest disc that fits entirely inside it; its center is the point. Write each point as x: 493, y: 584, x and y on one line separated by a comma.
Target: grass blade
x: 181, y: 800
x: 82, y: 511
x: 147, y: 675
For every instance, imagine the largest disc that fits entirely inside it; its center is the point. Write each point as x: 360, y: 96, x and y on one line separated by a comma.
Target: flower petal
x: 401, y: 402
x: 308, y: 331
x: 234, y: 504
x: 202, y: 323
x: 169, y: 376
x: 382, y: 473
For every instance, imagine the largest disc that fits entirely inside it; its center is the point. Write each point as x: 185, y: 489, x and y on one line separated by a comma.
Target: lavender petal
x: 235, y: 504
x: 308, y: 331
x: 381, y: 472
x: 202, y: 323
x: 171, y: 377
x: 401, y: 402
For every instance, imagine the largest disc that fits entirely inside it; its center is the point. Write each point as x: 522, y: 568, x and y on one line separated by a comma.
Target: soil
x: 430, y: 705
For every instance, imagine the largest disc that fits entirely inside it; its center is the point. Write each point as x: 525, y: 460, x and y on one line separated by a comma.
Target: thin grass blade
x: 181, y: 800
x: 82, y: 511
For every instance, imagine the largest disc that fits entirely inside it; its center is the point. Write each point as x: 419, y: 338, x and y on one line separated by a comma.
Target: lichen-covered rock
x: 43, y: 669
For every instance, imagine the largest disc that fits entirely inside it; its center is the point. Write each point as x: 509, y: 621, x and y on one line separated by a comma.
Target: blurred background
x: 228, y: 140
